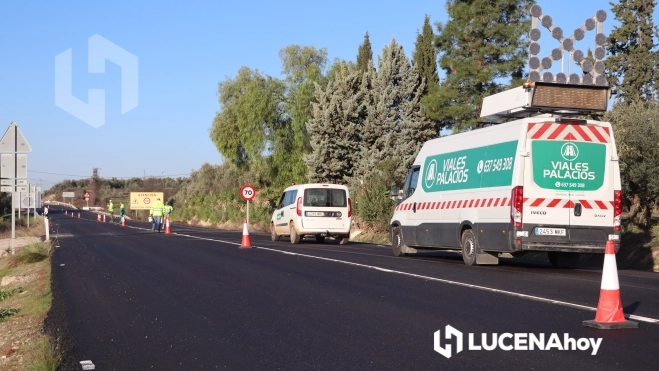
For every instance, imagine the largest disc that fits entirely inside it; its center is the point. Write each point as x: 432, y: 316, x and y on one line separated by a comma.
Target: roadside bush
x: 33, y: 253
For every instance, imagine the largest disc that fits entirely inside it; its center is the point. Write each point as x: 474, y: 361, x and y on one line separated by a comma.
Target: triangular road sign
x: 14, y: 140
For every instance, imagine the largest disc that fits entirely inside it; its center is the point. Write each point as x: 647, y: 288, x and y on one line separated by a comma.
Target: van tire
x: 320, y: 239
x: 273, y: 235
x: 397, y: 243
x: 469, y: 247
x: 295, y: 238
x: 344, y: 241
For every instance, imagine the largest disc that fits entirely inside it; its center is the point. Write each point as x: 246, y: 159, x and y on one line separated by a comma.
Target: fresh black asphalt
x: 130, y: 299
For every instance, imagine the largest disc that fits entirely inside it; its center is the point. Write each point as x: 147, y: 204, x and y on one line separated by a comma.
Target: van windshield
x: 325, y: 197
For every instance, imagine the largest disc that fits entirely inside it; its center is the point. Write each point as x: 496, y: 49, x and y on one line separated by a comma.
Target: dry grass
x: 36, y: 229
x: 23, y: 345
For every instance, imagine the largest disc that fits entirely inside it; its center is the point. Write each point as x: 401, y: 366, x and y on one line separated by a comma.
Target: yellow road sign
x: 144, y: 200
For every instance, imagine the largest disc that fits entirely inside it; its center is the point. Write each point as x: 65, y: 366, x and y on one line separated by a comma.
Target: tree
x: 303, y: 67
x: 631, y: 65
x: 425, y: 60
x: 334, y: 128
x: 395, y: 126
x: 483, y: 51
x: 335, y: 70
x: 251, y: 112
x: 365, y: 55
x: 425, y: 54
x: 636, y: 126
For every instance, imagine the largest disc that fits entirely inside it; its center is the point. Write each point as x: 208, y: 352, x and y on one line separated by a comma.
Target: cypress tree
x: 631, y: 65
x: 365, y: 55
x: 425, y: 55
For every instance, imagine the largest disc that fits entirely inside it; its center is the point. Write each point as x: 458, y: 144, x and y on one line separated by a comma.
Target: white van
x: 319, y: 210
x: 545, y: 183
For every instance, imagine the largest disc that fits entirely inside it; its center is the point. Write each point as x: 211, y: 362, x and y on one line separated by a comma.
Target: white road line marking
x: 456, y: 283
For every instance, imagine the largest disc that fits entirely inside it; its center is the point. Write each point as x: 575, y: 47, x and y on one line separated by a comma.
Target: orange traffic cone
x: 103, y: 218
x: 246, y: 243
x: 167, y: 229
x: 123, y: 221
x: 609, y: 309
x: 73, y: 216
x: 98, y: 217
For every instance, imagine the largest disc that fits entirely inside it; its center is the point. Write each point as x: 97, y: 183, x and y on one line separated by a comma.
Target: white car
x: 319, y: 210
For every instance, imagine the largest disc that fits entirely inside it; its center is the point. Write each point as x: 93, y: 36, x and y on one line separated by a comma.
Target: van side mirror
x: 394, y: 191
x: 272, y: 205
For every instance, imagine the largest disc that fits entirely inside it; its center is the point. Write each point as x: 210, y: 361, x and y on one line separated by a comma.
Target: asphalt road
x: 127, y: 298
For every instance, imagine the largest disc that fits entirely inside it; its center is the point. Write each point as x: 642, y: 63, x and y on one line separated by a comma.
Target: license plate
x: 550, y: 232
x: 315, y: 213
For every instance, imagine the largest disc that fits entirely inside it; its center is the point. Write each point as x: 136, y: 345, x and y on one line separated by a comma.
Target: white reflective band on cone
x: 610, y: 273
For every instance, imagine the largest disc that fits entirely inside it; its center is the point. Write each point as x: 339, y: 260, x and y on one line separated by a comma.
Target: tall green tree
x: 251, y: 112
x: 365, y: 55
x: 303, y: 67
x: 425, y: 60
x: 632, y: 63
x: 482, y: 50
x: 334, y: 128
x: 396, y: 126
x: 425, y: 54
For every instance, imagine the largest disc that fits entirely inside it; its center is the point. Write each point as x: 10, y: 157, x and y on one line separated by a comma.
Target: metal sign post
x: 13, y: 167
x: 248, y: 192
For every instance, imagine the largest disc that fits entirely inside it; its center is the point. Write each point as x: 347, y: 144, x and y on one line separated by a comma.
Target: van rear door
x: 325, y: 208
x: 591, y: 181
x: 545, y: 200
x: 572, y: 184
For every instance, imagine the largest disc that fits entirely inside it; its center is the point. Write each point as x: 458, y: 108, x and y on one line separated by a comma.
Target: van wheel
x: 397, y: 242
x: 295, y: 238
x: 469, y: 247
x: 344, y: 241
x: 320, y: 239
x: 273, y: 235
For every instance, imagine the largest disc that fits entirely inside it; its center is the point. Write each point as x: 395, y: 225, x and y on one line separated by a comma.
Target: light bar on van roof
x: 534, y: 98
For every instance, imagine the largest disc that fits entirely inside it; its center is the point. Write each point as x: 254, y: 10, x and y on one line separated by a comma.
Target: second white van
x: 316, y: 210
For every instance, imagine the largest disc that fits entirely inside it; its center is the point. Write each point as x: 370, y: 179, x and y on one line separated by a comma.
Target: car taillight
x: 516, y: 202
x: 299, y: 206
x: 617, y: 209
x: 349, y: 208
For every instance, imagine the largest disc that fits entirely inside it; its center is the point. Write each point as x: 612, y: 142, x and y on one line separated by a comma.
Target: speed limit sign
x: 248, y: 192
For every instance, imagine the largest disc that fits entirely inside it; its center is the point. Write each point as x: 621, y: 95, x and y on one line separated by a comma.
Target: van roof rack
x: 536, y: 98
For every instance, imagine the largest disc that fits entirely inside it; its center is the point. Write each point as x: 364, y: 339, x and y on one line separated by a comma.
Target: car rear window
x: 325, y: 197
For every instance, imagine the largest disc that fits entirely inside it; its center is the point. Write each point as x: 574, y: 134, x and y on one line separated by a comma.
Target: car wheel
x: 469, y: 247
x: 320, y: 239
x: 344, y: 240
x: 295, y: 238
x: 273, y: 234
x: 397, y: 242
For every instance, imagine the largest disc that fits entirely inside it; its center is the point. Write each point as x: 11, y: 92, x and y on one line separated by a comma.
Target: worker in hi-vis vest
x: 111, y: 210
x: 168, y: 211
x: 157, y: 211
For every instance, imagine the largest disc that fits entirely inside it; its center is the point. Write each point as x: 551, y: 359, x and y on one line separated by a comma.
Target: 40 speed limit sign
x: 248, y: 192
